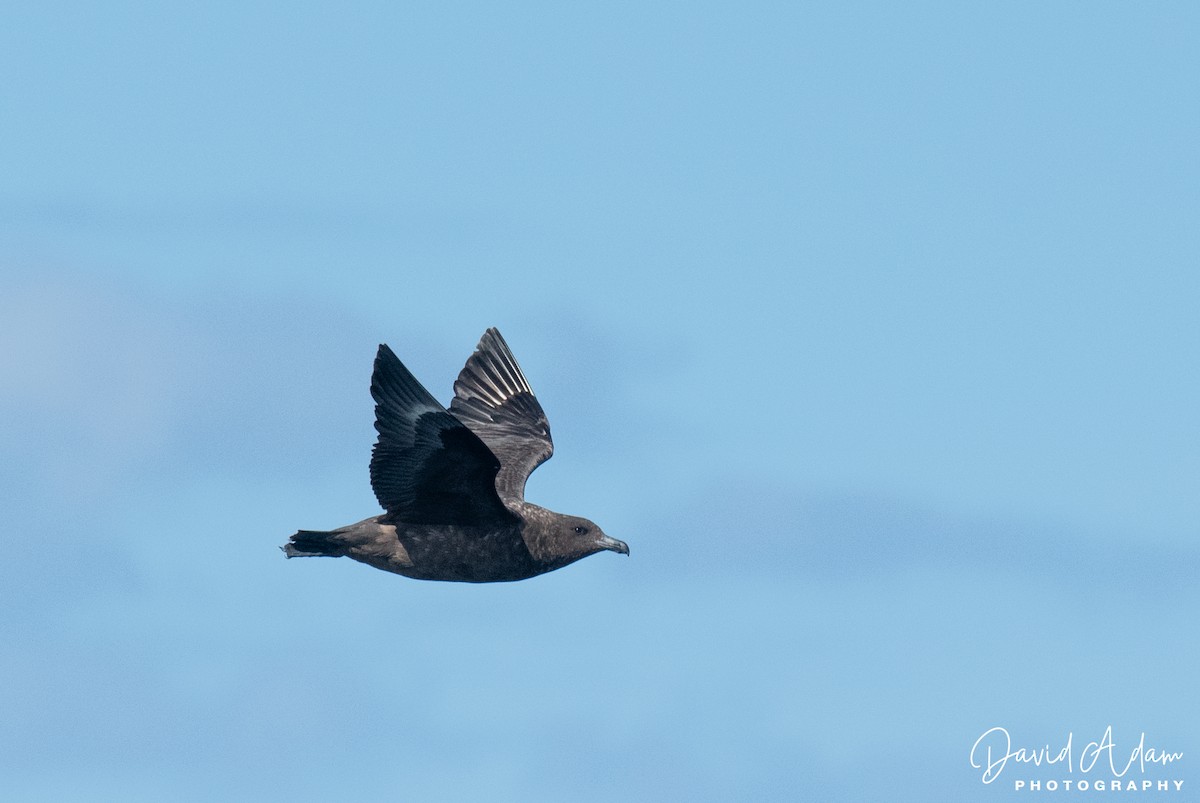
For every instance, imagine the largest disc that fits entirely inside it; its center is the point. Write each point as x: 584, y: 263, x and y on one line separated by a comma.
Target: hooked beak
x: 608, y: 542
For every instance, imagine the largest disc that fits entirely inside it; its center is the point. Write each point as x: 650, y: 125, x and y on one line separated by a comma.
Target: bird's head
x: 587, y: 537
x: 557, y: 539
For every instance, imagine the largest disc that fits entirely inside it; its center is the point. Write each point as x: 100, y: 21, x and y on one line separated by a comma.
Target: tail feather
x: 313, y: 543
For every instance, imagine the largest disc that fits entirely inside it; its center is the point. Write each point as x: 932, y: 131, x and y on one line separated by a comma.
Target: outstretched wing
x: 493, y: 398
x: 427, y: 468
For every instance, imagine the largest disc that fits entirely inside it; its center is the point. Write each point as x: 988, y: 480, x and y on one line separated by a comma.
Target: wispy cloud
x: 245, y: 216
x: 785, y: 531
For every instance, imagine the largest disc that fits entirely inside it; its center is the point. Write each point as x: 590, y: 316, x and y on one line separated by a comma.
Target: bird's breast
x: 466, y: 554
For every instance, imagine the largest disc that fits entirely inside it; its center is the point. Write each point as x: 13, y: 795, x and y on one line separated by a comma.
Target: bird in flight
x: 453, y: 481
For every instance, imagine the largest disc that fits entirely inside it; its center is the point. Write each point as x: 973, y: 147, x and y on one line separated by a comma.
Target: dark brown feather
x: 493, y: 398
x: 427, y: 467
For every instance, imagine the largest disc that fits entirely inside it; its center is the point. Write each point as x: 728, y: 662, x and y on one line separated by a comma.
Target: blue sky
x: 872, y: 329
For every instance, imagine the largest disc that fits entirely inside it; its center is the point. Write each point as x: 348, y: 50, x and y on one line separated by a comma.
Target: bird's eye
x: 580, y: 530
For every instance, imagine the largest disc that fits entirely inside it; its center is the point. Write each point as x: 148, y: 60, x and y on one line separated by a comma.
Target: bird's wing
x: 427, y: 467
x: 493, y: 398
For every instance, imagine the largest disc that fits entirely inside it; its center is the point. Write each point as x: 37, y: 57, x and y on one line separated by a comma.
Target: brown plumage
x: 453, y: 481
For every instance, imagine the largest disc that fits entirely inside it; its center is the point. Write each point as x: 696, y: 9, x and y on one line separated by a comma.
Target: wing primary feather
x: 493, y: 398
x: 427, y: 466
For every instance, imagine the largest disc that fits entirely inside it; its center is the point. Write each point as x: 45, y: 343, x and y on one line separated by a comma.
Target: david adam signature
x: 996, y: 745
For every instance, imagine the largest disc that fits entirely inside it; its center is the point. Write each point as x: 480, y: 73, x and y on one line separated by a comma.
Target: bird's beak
x: 608, y: 542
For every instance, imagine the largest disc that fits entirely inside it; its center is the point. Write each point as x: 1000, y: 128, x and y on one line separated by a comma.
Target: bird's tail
x: 313, y: 543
